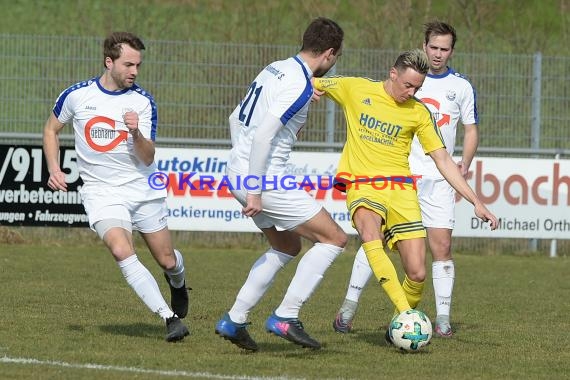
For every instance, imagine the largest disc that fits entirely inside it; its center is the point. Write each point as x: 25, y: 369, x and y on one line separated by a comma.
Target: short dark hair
x: 112, y: 44
x: 439, y: 28
x: 321, y: 35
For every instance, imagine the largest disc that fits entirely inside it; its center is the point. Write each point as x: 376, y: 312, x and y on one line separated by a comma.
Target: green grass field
x: 66, y: 313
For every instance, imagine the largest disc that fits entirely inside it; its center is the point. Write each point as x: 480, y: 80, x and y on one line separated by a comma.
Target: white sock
x: 308, y: 276
x: 361, y: 273
x: 144, y: 285
x: 177, y: 274
x: 258, y: 281
x: 443, y: 274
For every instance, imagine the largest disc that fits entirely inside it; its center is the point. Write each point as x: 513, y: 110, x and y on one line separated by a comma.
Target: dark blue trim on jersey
x: 105, y: 91
x: 302, y: 99
x: 154, y: 110
x: 442, y: 75
x: 450, y: 71
x: 154, y: 113
x: 61, y: 99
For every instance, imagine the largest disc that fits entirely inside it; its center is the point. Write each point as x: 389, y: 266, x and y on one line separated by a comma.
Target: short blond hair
x: 415, y: 59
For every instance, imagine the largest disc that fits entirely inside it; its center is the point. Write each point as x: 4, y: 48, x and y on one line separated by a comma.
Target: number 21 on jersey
x: 248, y: 105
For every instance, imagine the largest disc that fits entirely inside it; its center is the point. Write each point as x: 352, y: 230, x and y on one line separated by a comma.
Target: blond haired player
x: 451, y: 98
x: 382, y: 119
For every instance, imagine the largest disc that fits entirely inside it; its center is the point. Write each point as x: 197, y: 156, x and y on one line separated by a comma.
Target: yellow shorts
x: 396, y: 203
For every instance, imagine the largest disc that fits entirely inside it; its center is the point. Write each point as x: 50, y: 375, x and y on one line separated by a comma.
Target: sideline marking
x: 6, y: 359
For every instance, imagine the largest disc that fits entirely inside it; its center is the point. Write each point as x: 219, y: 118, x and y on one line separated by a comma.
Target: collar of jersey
x: 103, y: 89
x: 304, y: 66
x: 443, y: 75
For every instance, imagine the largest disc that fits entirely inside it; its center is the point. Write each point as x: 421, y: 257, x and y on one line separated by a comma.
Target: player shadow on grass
x: 143, y: 330
x: 374, y: 337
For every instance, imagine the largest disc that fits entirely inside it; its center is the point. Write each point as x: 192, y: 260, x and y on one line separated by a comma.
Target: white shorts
x: 282, y: 209
x: 146, y: 217
x: 437, y: 202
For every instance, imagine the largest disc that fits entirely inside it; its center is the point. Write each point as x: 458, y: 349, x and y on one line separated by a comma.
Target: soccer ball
x: 410, y: 330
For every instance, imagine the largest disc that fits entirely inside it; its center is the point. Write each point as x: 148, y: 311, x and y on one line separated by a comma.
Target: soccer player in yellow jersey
x: 382, y: 118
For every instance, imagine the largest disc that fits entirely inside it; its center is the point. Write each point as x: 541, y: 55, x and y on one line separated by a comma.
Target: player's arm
x: 52, y: 128
x: 258, y: 157
x: 335, y: 88
x: 235, y: 126
x: 144, y: 148
x: 451, y: 173
x: 470, y: 144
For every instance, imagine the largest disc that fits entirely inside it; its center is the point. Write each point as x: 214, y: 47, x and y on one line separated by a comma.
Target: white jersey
x: 105, y: 153
x: 284, y: 90
x: 450, y: 98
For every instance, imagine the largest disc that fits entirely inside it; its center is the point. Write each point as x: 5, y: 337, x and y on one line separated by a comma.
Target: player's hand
x: 463, y: 169
x: 253, y: 206
x: 487, y: 216
x: 56, y: 181
x: 316, y: 95
x: 131, y: 120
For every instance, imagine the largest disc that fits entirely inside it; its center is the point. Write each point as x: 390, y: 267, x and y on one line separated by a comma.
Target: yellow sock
x: 386, y: 274
x: 413, y: 291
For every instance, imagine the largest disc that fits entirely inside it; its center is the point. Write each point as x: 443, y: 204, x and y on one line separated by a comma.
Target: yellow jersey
x: 379, y: 130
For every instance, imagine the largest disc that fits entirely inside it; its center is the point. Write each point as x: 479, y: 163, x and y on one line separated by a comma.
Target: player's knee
x: 417, y: 274
x: 167, y: 265
x: 166, y: 262
x: 290, y: 247
x: 337, y: 238
x: 341, y: 239
x: 121, y: 253
x: 441, y: 252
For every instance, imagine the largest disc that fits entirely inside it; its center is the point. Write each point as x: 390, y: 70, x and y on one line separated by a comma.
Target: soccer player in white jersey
x: 264, y: 127
x: 115, y: 122
x: 451, y: 99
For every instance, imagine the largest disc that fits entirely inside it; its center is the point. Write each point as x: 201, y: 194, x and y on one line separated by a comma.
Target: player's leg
x: 111, y: 218
x: 117, y: 236
x: 150, y: 219
x: 437, y: 203
x: 405, y: 230
x: 443, y: 275
x: 360, y: 275
x: 314, y: 223
x: 118, y: 240
x: 368, y: 212
x: 413, y: 255
x: 172, y: 263
x: 284, y: 246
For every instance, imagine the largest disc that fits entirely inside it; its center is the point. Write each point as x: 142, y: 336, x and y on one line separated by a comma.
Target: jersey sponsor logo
x: 94, y: 134
x: 375, y: 124
x: 367, y: 101
x: 327, y: 83
x: 441, y: 118
x: 279, y: 74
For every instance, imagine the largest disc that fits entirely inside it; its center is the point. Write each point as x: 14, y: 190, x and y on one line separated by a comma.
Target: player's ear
x: 330, y: 54
x: 393, y: 74
x: 108, y: 63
